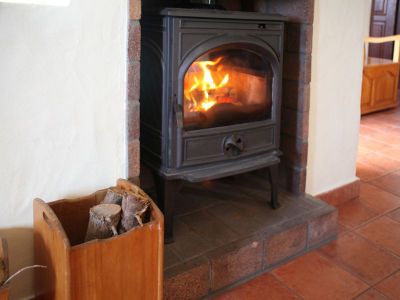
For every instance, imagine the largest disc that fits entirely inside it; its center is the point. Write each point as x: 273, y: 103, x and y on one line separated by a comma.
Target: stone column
x: 133, y: 105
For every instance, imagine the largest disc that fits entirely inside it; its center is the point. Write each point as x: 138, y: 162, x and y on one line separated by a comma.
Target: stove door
x: 225, y: 86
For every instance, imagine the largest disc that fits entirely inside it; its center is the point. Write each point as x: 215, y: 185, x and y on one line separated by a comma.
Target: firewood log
x: 4, y: 271
x: 103, y: 221
x: 134, y: 206
x: 114, y: 196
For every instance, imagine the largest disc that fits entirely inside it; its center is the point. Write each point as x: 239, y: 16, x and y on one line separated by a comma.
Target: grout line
x: 285, y: 285
x: 370, y: 289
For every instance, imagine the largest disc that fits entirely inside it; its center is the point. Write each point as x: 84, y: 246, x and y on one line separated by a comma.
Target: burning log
x: 103, y: 221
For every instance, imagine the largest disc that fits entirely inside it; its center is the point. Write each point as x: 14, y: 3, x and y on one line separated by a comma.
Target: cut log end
x: 134, y: 206
x: 103, y: 221
x: 114, y: 196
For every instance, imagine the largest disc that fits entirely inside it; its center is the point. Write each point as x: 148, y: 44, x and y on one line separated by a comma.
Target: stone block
x: 322, y: 228
x: 235, y: 262
x: 295, y: 123
x: 133, y: 158
x: 282, y: 245
x: 296, y: 95
x: 187, y: 281
x: 133, y: 81
x: 134, y: 41
x: 135, y: 9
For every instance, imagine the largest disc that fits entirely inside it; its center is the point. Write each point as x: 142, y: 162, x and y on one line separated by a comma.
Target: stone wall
x: 133, y: 105
x: 296, y: 86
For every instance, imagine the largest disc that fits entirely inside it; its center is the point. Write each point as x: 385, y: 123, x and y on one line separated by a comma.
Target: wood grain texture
x: 128, y: 266
x: 383, y: 20
x: 4, y: 269
x: 4, y: 292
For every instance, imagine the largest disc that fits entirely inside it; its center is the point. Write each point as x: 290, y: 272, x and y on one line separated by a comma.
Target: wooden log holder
x: 4, y: 269
x: 127, y: 266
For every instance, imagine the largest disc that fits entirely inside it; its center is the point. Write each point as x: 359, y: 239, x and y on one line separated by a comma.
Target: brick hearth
x: 225, y: 232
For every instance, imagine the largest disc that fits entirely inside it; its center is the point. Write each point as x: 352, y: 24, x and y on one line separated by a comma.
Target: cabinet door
x: 379, y: 88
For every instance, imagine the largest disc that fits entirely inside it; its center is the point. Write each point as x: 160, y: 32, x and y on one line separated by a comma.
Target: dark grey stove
x: 210, y: 97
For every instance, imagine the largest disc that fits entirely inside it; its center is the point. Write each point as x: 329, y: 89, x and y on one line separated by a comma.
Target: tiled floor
x: 364, y: 262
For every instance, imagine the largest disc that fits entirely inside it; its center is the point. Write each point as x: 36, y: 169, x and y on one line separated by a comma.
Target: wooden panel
x: 379, y: 87
x: 4, y: 292
x: 383, y: 20
x: 380, y: 7
x: 128, y: 266
x: 4, y: 269
x: 52, y: 250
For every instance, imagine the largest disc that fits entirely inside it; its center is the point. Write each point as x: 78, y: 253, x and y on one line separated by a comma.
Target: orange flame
x: 203, y: 93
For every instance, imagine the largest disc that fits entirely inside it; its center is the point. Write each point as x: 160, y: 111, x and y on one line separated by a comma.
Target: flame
x: 201, y: 90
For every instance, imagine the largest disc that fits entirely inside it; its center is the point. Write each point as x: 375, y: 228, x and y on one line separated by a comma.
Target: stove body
x: 210, y: 97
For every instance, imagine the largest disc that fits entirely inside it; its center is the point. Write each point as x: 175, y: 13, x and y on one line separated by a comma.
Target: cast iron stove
x: 210, y: 97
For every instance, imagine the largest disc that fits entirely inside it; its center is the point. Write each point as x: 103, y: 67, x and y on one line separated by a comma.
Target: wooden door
x: 383, y: 22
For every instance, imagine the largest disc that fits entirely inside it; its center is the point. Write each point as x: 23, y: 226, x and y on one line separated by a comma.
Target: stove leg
x: 273, y: 172
x: 166, y: 193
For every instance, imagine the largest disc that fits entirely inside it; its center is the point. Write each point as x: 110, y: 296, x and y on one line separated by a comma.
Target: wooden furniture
x: 127, y: 266
x: 4, y: 292
x: 380, y: 77
x: 4, y: 271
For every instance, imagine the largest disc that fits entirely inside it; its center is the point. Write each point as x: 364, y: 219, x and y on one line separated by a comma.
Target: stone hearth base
x: 226, y: 233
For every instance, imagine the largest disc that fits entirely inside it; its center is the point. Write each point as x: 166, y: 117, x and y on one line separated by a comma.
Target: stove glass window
x: 227, y: 86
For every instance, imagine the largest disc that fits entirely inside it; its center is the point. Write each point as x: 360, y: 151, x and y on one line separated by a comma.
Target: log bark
x: 103, y: 221
x: 4, y: 270
x: 134, y: 207
x: 114, y: 196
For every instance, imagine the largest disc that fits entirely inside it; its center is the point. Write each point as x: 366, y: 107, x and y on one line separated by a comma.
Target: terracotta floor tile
x: 383, y: 231
x: 362, y: 258
x: 372, y: 144
x: 393, y: 153
x: 377, y: 199
x: 314, y: 276
x: 353, y: 213
x: 265, y: 286
x: 386, y: 137
x: 367, y: 172
x: 382, y: 161
x: 341, y: 229
x: 390, y: 287
x: 363, y: 151
x: 371, y: 294
x: 389, y: 182
x: 394, y: 215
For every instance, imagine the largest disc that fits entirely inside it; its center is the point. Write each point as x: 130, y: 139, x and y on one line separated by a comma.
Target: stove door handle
x: 178, y: 112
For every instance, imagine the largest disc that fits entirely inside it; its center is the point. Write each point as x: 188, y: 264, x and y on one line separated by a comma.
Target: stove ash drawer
x: 226, y: 146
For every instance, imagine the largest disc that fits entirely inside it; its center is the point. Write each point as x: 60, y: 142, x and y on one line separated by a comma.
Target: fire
x: 202, y: 89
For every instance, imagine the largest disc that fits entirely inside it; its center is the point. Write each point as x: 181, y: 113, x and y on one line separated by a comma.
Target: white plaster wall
x: 62, y: 110
x: 40, y: 2
x: 339, y: 29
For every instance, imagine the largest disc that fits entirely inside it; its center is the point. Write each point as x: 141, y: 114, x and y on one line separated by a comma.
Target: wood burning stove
x: 210, y: 97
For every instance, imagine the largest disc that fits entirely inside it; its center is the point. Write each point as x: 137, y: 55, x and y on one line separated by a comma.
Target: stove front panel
x: 221, y: 88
